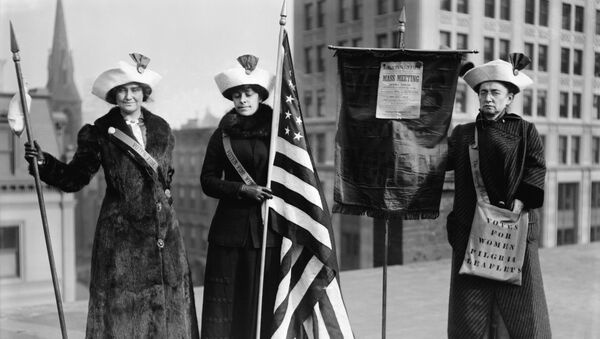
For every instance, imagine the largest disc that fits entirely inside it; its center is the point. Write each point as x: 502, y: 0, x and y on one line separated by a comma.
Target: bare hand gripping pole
x: 14, y: 48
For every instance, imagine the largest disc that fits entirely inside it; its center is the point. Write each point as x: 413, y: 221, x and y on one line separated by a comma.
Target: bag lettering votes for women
x: 498, y: 238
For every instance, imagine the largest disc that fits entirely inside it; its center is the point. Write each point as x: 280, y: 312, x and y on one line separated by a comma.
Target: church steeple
x: 61, y: 83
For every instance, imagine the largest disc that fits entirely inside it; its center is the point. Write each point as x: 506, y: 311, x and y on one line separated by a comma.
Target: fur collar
x: 256, y: 125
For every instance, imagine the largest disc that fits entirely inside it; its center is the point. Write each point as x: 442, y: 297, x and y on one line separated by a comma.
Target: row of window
x: 347, y: 10
x: 572, y: 146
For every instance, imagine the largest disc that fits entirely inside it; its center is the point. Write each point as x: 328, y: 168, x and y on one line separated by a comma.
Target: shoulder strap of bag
x: 235, y: 162
x: 137, y: 152
x: 477, y: 178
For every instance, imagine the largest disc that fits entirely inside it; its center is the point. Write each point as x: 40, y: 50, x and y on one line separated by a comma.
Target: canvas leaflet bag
x: 498, y: 238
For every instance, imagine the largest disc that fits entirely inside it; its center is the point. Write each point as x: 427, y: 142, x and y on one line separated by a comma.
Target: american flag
x: 309, y: 301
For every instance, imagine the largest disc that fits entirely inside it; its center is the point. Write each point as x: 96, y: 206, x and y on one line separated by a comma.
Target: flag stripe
x: 307, y: 191
x: 299, y: 217
x: 292, y: 151
x: 293, y: 197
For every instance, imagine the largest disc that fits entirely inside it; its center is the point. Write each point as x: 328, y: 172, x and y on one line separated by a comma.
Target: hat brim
x: 229, y: 80
x: 497, y: 70
x: 122, y: 75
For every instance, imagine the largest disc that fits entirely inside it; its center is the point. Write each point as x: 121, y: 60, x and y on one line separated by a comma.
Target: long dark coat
x: 139, y: 288
x: 235, y: 235
x: 505, y: 145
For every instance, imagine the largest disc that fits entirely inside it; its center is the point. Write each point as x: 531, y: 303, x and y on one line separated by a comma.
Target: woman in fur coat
x: 140, y: 284
x: 513, y: 169
x: 233, y: 263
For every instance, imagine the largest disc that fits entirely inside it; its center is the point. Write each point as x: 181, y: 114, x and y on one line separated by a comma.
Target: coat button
x: 160, y: 243
x: 168, y: 193
x: 158, y: 206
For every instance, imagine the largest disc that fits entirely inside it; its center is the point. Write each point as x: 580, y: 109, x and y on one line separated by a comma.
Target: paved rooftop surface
x: 417, y: 299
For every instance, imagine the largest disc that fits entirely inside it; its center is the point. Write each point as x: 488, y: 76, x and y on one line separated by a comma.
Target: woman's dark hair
x: 262, y: 93
x: 111, y: 96
x: 509, y: 87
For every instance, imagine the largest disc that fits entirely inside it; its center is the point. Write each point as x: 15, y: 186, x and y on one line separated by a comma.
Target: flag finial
x: 283, y: 15
x: 14, y: 47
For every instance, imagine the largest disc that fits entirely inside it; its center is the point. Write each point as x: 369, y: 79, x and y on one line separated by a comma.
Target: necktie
x: 137, y: 131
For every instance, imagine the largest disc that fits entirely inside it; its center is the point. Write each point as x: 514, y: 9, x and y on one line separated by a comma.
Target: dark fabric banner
x: 391, y: 142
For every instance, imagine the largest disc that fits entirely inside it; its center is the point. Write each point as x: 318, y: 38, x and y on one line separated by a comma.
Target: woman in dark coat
x: 231, y: 281
x: 140, y: 284
x: 506, y: 143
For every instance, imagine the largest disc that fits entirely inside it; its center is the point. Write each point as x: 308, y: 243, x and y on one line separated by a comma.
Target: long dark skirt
x: 231, y: 287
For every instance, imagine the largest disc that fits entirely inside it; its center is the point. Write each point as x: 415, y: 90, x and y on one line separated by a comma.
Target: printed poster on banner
x: 399, y: 90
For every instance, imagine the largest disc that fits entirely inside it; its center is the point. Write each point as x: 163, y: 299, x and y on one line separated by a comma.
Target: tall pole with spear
x: 14, y: 48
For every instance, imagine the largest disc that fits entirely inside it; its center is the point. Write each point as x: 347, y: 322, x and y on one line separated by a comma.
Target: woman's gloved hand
x: 255, y: 192
x: 32, y: 152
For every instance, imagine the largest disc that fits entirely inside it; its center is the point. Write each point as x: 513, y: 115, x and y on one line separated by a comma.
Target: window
x: 462, y: 41
x: 382, y: 6
x: 460, y: 100
x: 488, y: 49
x: 579, y: 19
x: 562, y: 149
x: 563, y: 111
x: 597, y: 64
x: 321, y: 102
x: 381, y: 40
x: 397, y: 5
x: 596, y: 107
x: 320, y: 13
x: 10, y: 263
x: 395, y: 37
x: 308, y: 60
x: 541, y: 102
x: 445, y: 5
x: 577, y: 61
x: 462, y: 6
x: 527, y: 102
x: 567, y: 213
x: 307, y: 110
x: 357, y: 6
x: 543, y: 20
x: 342, y: 42
x: 342, y: 11
x: 505, y: 9
x: 566, y: 16
x: 576, y: 109
x: 542, y: 58
x: 308, y: 19
x: 595, y: 205
x: 598, y: 22
x: 320, y: 59
x: 350, y: 242
x: 528, y: 50
x: 489, y: 8
x: 575, y: 146
x: 445, y: 39
x: 596, y: 151
x: 504, y: 49
x: 321, y: 148
x: 356, y: 42
x: 564, y: 60
x: 530, y: 11
x: 7, y: 147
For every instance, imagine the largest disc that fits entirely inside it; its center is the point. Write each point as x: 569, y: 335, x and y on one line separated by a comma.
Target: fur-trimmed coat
x: 505, y: 146
x: 140, y: 287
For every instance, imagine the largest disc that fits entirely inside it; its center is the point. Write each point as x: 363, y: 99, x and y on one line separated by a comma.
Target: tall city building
x: 561, y: 37
x: 194, y: 209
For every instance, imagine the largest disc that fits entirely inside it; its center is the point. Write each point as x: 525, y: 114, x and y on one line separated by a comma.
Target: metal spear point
x: 14, y: 48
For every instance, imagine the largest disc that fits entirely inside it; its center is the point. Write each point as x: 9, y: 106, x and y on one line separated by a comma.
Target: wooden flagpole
x: 274, y: 129
x: 399, y: 44
x: 14, y: 48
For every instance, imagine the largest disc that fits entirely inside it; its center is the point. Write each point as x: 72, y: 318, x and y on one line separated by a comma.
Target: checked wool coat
x: 504, y: 146
x: 140, y: 279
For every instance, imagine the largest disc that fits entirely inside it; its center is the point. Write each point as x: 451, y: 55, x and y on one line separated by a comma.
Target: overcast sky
x: 189, y: 41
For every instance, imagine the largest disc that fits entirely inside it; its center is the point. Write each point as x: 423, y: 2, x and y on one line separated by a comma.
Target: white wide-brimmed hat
x: 124, y: 74
x: 500, y: 70
x: 248, y: 74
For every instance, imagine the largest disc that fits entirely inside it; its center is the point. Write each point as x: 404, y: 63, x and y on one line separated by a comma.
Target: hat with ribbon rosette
x: 502, y: 71
x: 124, y: 74
x: 248, y: 74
